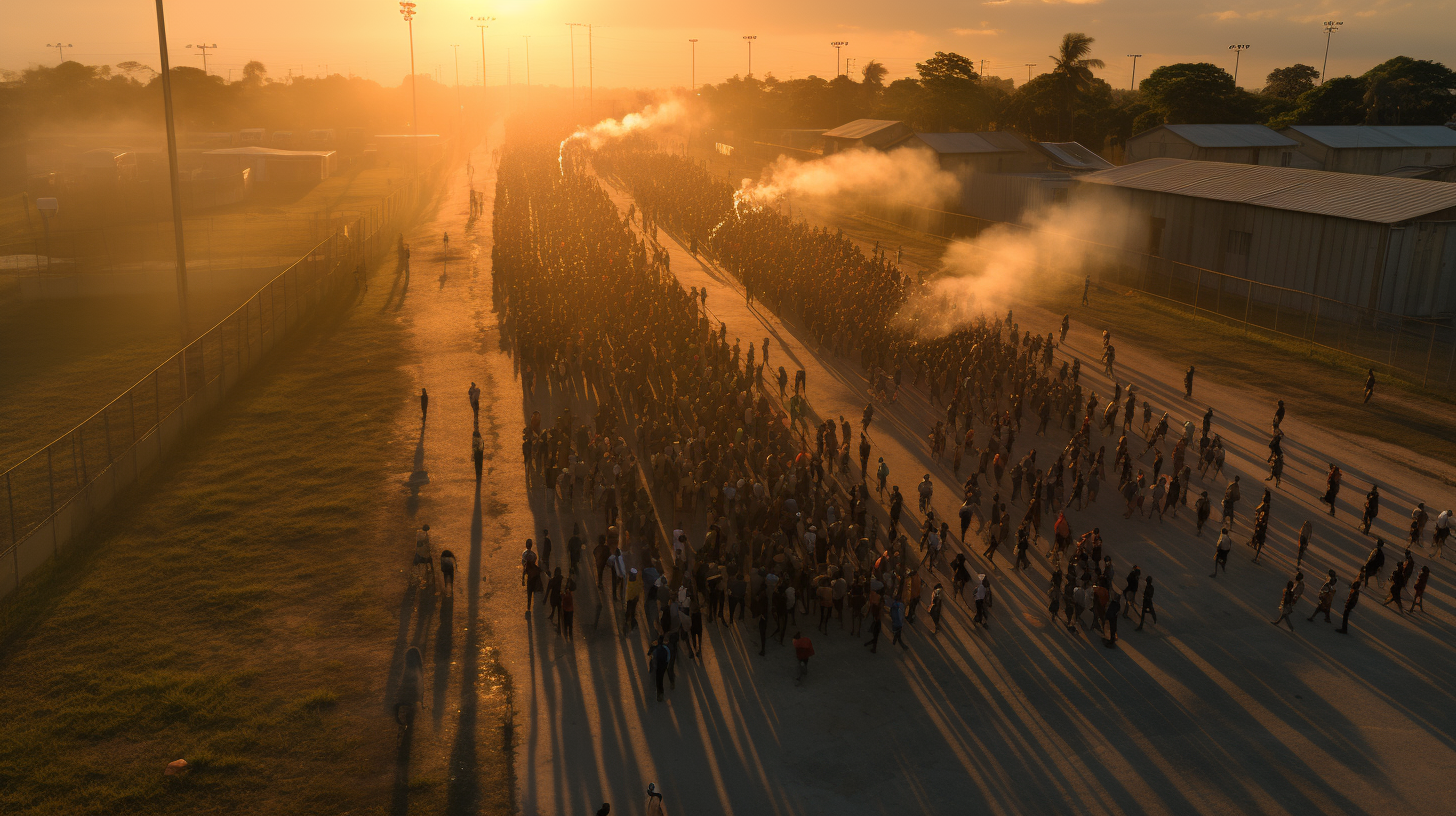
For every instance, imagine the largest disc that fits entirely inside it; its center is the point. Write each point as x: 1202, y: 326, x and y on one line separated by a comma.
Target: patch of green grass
x: 238, y: 610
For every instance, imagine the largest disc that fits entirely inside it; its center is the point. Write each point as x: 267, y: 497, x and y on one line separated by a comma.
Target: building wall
x: 1161, y: 143
x: 1332, y: 257
x: 1368, y: 161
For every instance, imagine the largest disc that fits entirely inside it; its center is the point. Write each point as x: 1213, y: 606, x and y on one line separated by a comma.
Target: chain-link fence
x: 51, y: 495
x: 1419, y: 349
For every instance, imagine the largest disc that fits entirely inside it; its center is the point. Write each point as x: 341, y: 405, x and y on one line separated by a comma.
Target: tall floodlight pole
x: 482, y: 23
x: 1132, y: 85
x: 1029, y: 66
x: 749, y: 38
x: 203, y: 49
x: 694, y: 41
x: 173, y: 177
x: 60, y: 49
x: 838, y: 44
x: 1238, y: 52
x: 527, y: 38
x: 590, y: 78
x: 407, y: 10
x: 1331, y: 26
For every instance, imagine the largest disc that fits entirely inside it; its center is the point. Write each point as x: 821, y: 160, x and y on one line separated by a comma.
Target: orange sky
x: 644, y: 43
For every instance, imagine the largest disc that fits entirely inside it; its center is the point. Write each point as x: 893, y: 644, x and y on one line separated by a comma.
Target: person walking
x: 897, y: 623
x: 530, y: 574
x: 1188, y: 383
x: 803, y: 650
x: 1418, y: 590
x: 1370, y: 385
x: 474, y: 394
x: 447, y: 570
x: 1325, y: 599
x: 1110, y: 616
x: 657, y: 662
x: 1221, y: 553
x: 1372, y: 509
x: 1147, y: 603
x: 1351, y: 601
x: 633, y: 594
x: 424, y: 405
x: 982, y: 596
x: 1286, y: 606
x: 568, y: 609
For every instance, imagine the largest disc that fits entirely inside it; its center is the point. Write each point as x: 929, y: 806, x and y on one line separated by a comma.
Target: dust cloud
x: 994, y: 271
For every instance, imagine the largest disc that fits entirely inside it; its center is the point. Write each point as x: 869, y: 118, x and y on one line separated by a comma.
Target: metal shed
x: 1236, y: 144
x: 1369, y: 241
x: 1377, y: 150
x: 876, y: 134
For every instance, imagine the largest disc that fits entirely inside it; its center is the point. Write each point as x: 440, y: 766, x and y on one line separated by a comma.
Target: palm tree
x: 1072, y: 69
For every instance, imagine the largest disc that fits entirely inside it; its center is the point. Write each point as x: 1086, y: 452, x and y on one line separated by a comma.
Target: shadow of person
x: 444, y: 649
x: 462, y: 796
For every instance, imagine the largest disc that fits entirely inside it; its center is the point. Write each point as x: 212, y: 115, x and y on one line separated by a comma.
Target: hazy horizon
x: 645, y: 45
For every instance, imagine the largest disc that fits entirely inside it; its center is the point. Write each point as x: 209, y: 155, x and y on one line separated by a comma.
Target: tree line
x: 1070, y: 103
x: 72, y: 94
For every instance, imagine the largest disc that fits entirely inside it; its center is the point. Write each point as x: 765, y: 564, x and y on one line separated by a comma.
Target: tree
x: 874, y: 73
x: 1072, y: 73
x: 255, y: 73
x: 1405, y: 91
x: 1289, y: 83
x: 1339, y: 101
x: 954, y: 99
x: 1193, y: 93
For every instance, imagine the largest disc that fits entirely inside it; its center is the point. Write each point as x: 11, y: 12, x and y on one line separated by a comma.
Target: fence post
x: 1248, y: 303
x: 10, y: 500
x: 1430, y: 350
x: 131, y: 411
x: 51, y: 477
x: 106, y: 425
x: 157, y: 385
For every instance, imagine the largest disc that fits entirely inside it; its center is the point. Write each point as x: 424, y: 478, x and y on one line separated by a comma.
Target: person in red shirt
x: 803, y: 650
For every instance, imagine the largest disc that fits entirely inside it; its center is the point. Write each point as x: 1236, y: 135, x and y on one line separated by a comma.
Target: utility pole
x: 407, y: 10
x: 749, y: 38
x: 204, y: 48
x: 458, y: 104
x: 1331, y: 26
x: 983, y: 68
x: 60, y: 48
x: 1133, y: 85
x: 173, y: 177
x: 838, y: 44
x: 571, y: 28
x: 482, y: 23
x: 527, y: 38
x: 847, y: 62
x: 694, y: 41
x: 1029, y: 66
x: 1238, y: 52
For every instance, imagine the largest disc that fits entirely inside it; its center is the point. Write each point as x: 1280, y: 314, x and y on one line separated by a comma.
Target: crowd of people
x: 989, y: 376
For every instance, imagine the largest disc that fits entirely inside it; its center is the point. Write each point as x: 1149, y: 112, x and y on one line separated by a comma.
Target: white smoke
x: 653, y: 116
x: 991, y: 272
x: 905, y: 176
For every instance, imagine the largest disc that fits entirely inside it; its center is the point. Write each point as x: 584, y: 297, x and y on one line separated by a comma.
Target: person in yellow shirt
x: 634, y: 593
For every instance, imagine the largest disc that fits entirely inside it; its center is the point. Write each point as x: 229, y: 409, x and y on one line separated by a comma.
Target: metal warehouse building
x: 1412, y: 151
x: 1370, y: 241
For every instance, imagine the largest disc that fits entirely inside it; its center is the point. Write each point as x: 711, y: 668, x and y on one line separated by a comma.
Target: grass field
x: 240, y: 612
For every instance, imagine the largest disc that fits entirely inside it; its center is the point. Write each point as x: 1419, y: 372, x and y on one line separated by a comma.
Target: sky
x: 644, y: 43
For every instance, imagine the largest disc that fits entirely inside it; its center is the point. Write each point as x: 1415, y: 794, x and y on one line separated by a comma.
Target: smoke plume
x: 653, y: 116
x: 895, y: 177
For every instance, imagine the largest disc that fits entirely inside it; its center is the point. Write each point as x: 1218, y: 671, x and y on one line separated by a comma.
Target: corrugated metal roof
x: 265, y: 151
x: 1379, y: 136
x: 987, y: 142
x: 860, y: 128
x: 1343, y: 195
x: 1074, y: 155
x: 1231, y: 135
